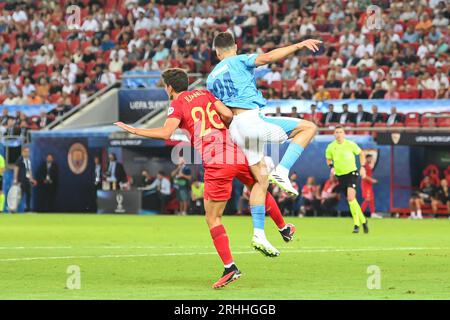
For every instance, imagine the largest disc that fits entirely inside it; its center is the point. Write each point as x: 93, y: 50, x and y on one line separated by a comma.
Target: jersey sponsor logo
x: 77, y: 158
x: 170, y: 111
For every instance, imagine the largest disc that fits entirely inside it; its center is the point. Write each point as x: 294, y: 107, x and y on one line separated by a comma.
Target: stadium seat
x: 290, y: 83
x: 334, y: 93
x: 428, y: 122
x: 412, y: 81
x: 428, y: 94
x: 412, y: 119
x: 364, y: 125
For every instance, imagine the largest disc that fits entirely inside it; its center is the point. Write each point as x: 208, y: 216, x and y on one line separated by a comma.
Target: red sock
x: 220, y: 239
x: 364, y: 206
x: 274, y: 212
x: 372, y: 205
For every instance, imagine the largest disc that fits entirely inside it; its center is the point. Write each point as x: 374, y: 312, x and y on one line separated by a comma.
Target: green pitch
x: 168, y: 257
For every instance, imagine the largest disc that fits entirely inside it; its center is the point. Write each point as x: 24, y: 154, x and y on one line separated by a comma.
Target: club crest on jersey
x: 170, y: 111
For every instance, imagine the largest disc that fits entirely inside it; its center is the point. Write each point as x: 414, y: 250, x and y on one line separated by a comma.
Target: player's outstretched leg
x: 287, y: 231
x: 257, y: 201
x: 214, y: 211
x: 301, y: 136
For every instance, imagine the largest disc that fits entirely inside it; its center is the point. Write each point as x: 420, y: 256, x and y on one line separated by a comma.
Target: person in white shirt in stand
x: 90, y: 24
x: 273, y: 75
x: 142, y: 23
x: 108, y: 78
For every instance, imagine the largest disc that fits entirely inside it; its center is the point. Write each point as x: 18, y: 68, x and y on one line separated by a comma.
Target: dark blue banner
x: 134, y: 104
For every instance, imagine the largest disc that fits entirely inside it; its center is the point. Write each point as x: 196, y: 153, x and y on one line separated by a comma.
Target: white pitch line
x: 214, y: 253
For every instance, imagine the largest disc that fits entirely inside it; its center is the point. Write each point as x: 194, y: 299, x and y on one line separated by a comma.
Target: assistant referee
x: 341, y: 158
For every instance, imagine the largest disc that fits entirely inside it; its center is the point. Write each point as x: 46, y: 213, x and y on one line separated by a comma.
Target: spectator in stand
x: 361, y: 115
x: 310, y: 198
x: 346, y: 116
x: 376, y: 117
x: 322, y: 94
x: 394, y: 117
x: 330, y: 116
x: 360, y: 92
x: 33, y: 98
x: 286, y: 201
x: 332, y: 82
x: 391, y: 94
x: 410, y: 35
x: 272, y: 75
x: 346, y: 93
x: 378, y: 92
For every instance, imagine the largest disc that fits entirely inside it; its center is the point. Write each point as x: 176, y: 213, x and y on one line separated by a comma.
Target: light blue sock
x: 291, y: 155
x: 258, y: 218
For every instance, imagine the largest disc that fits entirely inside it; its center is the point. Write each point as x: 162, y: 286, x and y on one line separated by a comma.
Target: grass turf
x: 169, y: 257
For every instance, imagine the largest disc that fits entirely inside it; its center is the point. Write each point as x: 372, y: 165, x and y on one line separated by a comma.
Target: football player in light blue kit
x: 233, y: 82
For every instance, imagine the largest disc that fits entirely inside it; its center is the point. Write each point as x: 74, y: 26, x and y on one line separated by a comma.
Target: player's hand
x: 311, y: 44
x: 125, y: 127
x: 374, y: 181
x: 362, y: 172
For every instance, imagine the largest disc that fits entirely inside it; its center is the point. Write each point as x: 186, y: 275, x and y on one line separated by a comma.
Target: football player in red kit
x: 204, y: 118
x: 367, y: 187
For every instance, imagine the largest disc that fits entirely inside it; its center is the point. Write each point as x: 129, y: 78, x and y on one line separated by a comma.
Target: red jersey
x: 204, y: 127
x: 369, y: 173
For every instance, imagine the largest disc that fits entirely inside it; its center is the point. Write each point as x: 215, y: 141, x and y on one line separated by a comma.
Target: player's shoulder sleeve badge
x: 170, y: 110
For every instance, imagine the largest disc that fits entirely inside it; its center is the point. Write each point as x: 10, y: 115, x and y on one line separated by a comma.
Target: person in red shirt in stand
x: 203, y: 118
x: 367, y: 188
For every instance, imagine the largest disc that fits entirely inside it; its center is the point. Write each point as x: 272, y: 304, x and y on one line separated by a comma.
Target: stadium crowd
x: 43, y: 60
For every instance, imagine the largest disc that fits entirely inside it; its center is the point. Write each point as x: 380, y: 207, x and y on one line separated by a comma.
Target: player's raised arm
x: 162, y: 133
x: 282, y: 53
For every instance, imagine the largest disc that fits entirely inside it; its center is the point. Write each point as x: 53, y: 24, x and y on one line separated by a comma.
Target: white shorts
x: 252, y: 130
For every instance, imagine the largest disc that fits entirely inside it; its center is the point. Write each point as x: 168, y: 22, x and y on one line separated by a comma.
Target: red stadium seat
x: 444, y: 121
x: 428, y: 122
x: 319, y: 82
x: 428, y: 94
x: 290, y: 83
x: 353, y: 70
x: 14, y: 68
x: 334, y: 93
x: 364, y: 125
x: 60, y: 46
x: 322, y: 72
x: 412, y: 119
x: 276, y: 85
x: 412, y: 81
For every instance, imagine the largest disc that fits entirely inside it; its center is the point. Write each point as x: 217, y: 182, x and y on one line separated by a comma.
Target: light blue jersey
x: 233, y: 82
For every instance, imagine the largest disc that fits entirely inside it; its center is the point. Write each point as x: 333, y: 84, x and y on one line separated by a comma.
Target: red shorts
x: 219, y: 180
x: 367, y: 191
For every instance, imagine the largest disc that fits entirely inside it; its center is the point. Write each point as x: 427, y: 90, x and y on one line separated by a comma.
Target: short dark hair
x: 339, y: 127
x: 176, y: 78
x: 223, y: 40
